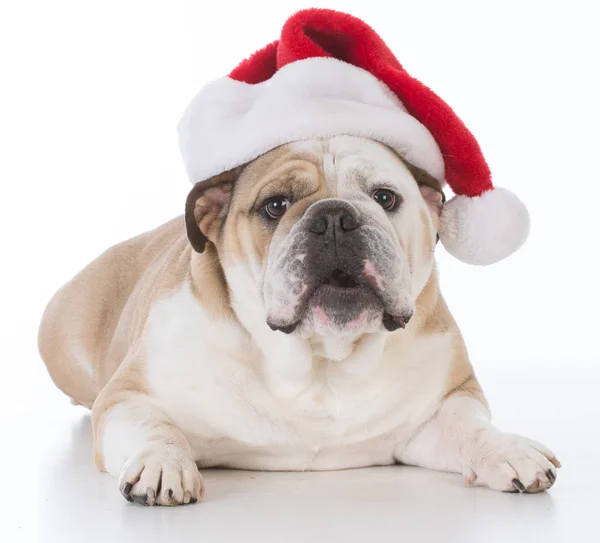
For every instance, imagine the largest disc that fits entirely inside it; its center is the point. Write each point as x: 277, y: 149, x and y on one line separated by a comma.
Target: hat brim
x: 229, y: 123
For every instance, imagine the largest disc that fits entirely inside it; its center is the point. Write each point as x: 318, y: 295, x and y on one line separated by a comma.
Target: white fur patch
x: 125, y: 432
x: 461, y: 439
x: 285, y: 360
x: 217, y: 390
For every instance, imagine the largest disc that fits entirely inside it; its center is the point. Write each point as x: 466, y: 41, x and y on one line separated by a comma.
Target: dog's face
x: 336, y: 235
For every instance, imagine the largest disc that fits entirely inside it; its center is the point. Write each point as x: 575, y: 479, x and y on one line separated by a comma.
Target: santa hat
x: 331, y: 74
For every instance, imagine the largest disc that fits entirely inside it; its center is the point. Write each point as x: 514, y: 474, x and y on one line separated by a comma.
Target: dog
x: 291, y: 320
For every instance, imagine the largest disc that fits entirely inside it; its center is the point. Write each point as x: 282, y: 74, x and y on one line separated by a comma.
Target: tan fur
x: 270, y: 175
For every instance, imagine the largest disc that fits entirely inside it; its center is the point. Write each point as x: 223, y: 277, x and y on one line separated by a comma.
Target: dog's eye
x: 385, y: 198
x: 276, y: 207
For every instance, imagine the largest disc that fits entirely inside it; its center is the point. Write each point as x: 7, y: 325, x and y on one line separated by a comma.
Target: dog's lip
x: 390, y: 322
x: 339, y: 282
x: 321, y: 288
x: 286, y: 329
x: 394, y: 322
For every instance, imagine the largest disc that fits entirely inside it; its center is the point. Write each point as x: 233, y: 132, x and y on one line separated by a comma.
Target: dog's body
x: 248, y: 355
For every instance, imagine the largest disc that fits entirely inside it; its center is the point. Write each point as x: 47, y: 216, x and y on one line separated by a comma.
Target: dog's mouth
x: 340, y: 298
x: 340, y: 279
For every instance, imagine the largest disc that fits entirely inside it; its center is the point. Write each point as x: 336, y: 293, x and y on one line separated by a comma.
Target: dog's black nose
x: 329, y: 216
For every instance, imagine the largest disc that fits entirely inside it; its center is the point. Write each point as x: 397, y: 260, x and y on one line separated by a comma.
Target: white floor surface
x: 52, y: 492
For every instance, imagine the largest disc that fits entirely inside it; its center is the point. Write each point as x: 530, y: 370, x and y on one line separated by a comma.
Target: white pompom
x: 484, y: 229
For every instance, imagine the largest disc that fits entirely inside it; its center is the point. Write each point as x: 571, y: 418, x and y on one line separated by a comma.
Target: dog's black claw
x: 519, y: 485
x: 127, y: 492
x: 141, y: 499
x: 193, y: 500
x: 159, y: 486
x: 551, y: 476
x: 170, y: 494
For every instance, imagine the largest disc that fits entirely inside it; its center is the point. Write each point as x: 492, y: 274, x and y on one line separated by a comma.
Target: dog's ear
x: 434, y: 198
x: 206, y: 207
x: 431, y: 189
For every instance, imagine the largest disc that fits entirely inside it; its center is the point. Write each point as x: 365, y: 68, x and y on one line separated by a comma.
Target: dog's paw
x: 510, y: 463
x: 161, y: 477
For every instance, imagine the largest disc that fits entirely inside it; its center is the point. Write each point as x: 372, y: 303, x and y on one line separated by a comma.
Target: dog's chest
x: 209, y: 380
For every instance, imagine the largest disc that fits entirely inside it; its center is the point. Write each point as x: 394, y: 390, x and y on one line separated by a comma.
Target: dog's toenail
x: 519, y: 485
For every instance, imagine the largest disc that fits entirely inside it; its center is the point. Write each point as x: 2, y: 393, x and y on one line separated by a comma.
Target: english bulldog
x: 291, y: 320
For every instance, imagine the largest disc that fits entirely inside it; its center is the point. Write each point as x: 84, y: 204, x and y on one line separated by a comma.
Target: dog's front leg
x: 136, y: 442
x: 460, y: 438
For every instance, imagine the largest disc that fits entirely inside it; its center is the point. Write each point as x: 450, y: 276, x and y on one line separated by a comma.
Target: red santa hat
x: 331, y: 74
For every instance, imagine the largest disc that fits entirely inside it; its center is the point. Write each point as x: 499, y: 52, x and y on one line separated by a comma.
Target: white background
x: 90, y: 94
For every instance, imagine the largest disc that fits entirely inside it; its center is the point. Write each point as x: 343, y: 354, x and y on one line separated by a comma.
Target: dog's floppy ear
x: 432, y: 192
x: 206, y: 207
x: 431, y: 189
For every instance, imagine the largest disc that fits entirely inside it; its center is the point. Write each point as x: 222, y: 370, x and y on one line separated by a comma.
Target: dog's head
x: 328, y: 236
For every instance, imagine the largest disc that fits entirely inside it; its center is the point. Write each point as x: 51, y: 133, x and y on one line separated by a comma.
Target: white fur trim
x: 484, y: 229
x: 230, y: 123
